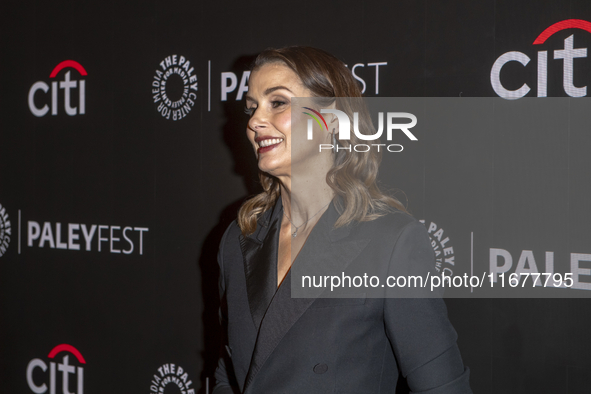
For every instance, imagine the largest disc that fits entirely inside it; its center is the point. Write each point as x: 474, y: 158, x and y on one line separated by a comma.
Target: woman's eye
x: 277, y: 104
x: 249, y: 111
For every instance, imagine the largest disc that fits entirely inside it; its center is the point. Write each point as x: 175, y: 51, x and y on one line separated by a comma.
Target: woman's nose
x: 257, y: 120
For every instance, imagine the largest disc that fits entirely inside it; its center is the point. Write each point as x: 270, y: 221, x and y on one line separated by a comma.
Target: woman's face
x: 270, y: 89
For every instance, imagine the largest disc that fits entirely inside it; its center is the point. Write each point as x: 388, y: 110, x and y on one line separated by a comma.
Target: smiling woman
x: 279, y: 344
x: 268, y: 102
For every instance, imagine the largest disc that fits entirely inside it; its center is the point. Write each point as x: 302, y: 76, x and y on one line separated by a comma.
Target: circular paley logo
x: 444, y: 251
x: 5, y: 230
x: 171, y: 378
x: 174, y: 87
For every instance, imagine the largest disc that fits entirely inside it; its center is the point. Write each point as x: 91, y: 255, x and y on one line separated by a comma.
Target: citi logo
x: 39, y: 102
x: 65, y: 369
x: 567, y: 54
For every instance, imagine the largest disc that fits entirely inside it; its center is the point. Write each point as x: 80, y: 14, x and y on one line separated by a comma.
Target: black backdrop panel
x: 112, y: 217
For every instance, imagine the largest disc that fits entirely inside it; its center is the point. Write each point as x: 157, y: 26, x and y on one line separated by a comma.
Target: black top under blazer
x: 279, y: 344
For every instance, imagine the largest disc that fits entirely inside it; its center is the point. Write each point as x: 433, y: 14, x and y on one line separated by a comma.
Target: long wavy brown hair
x: 352, y: 176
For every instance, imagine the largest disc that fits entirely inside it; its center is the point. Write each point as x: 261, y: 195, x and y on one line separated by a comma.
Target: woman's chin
x: 271, y: 168
x: 272, y: 165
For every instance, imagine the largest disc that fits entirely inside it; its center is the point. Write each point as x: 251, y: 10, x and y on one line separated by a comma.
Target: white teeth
x: 270, y: 142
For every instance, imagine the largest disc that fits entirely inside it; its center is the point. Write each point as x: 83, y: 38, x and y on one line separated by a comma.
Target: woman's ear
x: 333, y: 124
x: 334, y: 118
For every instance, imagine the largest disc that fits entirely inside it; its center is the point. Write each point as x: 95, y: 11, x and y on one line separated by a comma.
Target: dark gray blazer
x: 279, y: 344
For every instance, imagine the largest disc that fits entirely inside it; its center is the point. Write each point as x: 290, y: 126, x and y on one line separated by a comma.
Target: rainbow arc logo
x: 316, y: 119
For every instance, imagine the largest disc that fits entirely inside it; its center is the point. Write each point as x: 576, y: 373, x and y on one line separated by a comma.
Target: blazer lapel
x: 326, y: 247
x: 259, y: 252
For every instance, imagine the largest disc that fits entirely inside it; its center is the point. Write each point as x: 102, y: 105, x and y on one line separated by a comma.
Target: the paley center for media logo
x: 173, y: 376
x: 5, y: 230
x: 174, y: 87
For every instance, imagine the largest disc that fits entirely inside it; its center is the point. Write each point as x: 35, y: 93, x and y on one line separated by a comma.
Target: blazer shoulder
x: 390, y: 225
x: 232, y: 229
x: 228, y: 242
x: 232, y: 232
x: 398, y: 219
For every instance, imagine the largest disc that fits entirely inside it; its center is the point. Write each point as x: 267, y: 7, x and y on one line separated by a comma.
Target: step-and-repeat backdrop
x: 124, y: 158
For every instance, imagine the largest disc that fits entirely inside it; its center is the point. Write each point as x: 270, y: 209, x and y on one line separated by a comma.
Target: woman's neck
x: 305, y: 198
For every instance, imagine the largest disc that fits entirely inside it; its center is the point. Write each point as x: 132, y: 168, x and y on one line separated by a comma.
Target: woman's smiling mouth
x: 266, y: 144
